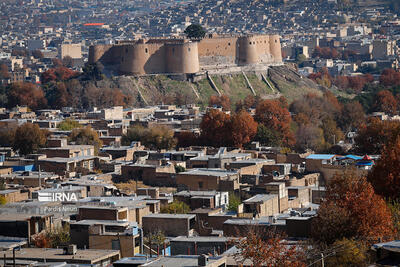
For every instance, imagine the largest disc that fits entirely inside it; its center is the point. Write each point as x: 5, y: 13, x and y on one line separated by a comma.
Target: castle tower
x: 275, y: 48
x: 134, y: 58
x: 182, y: 57
x: 96, y: 52
x: 247, y: 51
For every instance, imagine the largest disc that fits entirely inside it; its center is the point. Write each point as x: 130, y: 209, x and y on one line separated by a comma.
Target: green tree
x: 29, y: 138
x: 300, y: 58
x: 86, y: 136
x: 59, y: 236
x: 267, y: 136
x: 195, y: 31
x: 156, y: 137
x: 160, y: 137
x: 69, y: 125
x: 154, y: 240
x: 93, y: 71
x: 234, y: 202
x: 394, y: 206
x: 3, y: 200
x: 135, y: 133
x: 179, y: 169
x: 176, y: 207
x: 347, y: 252
x: 2, y: 185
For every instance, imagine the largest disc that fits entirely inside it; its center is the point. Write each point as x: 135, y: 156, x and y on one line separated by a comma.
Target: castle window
x: 276, y: 41
x: 250, y: 43
x: 189, y: 49
x: 229, y: 44
x: 145, y: 50
x: 254, y: 42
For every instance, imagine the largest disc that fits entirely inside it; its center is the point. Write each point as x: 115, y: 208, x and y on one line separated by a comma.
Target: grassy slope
x: 160, y: 88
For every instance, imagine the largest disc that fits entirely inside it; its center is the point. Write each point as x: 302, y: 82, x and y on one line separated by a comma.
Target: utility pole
x: 40, y: 181
x: 322, y: 260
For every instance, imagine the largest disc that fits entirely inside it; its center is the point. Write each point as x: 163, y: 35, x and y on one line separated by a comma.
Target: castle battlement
x: 185, y: 56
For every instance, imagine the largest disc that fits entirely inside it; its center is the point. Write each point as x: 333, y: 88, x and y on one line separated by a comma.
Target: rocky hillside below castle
x: 156, y: 89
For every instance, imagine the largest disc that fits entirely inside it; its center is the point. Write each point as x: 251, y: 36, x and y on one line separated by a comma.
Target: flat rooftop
x: 67, y: 160
x: 87, y: 256
x: 246, y: 222
x: 260, y: 198
x: 201, y: 239
x: 197, y: 193
x: 7, y: 243
x: 253, y: 161
x: 209, y: 172
x: 184, y: 260
x: 104, y: 222
x: 170, y: 216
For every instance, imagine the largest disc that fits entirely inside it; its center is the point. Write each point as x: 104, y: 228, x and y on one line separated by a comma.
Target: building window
x: 276, y: 41
x: 145, y: 50
x: 137, y: 242
x: 189, y: 49
x: 115, y: 245
x: 250, y: 43
x: 126, y: 50
x: 229, y: 44
x: 200, y: 185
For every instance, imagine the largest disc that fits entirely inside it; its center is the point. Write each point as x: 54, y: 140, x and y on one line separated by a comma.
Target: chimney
x: 202, y: 260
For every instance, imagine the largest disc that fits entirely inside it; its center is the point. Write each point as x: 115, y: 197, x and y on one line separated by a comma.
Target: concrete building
x: 25, y: 225
x: 209, y: 179
x: 170, y: 224
x: 103, y: 234
x: 203, y: 199
x: 14, y: 195
x: 69, y: 151
x: 261, y: 205
x: 71, y: 50
x: 33, y: 44
x: 382, y: 49
x: 197, y: 245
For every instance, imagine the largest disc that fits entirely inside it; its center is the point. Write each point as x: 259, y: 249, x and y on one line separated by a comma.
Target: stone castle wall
x: 184, y: 56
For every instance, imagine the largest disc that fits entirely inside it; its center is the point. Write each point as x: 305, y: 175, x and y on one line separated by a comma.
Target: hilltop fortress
x: 184, y: 56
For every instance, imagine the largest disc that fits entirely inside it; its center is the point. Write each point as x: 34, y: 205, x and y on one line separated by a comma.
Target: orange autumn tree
x: 386, y: 102
x: 26, y: 94
x: 385, y: 175
x: 390, y: 77
x: 270, y: 252
x: 214, y: 128
x: 243, y: 128
x: 220, y: 129
x: 274, y: 114
x: 352, y: 210
x: 371, y: 138
x: 222, y: 101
